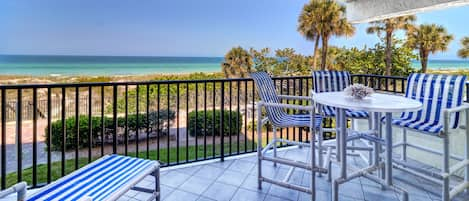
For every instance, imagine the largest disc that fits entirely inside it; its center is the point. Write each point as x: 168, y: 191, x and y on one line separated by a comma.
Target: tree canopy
x: 389, y: 26
x: 464, y: 51
x: 238, y: 63
x: 428, y: 38
x: 324, y: 19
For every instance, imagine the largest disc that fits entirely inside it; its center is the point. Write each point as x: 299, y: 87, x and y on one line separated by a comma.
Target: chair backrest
x: 266, y: 89
x: 436, y: 92
x: 330, y: 81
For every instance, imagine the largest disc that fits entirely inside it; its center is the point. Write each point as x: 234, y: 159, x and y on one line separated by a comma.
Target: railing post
x: 222, y: 135
x: 3, y: 146
x: 19, y: 133
x: 114, y: 119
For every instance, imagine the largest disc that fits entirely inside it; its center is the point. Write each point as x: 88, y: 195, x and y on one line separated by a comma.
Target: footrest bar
x: 458, y: 189
x: 140, y: 189
x: 289, y: 174
x: 433, y: 151
x: 458, y: 166
x: 287, y: 185
x: 298, y: 164
x: 425, y: 176
x: 293, y: 142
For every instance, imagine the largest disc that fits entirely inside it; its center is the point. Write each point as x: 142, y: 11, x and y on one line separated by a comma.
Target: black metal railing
x: 62, y: 127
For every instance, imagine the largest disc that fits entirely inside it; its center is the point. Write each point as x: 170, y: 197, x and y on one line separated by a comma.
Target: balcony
x: 172, y: 121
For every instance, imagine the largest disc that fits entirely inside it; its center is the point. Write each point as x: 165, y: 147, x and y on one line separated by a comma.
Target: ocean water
x: 119, y: 65
x: 444, y: 64
x: 104, y: 65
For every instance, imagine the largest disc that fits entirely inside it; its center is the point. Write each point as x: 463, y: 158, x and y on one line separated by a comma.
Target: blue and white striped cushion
x: 356, y: 114
x: 299, y: 120
x: 436, y: 92
x: 277, y: 116
x: 331, y: 81
x: 98, y: 180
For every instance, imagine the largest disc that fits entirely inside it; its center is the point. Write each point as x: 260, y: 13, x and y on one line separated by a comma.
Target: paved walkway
x: 236, y: 180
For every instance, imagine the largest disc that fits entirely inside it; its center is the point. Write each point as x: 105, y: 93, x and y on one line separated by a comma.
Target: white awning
x: 359, y: 11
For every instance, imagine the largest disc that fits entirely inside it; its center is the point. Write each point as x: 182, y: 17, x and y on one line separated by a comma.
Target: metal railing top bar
x: 99, y: 84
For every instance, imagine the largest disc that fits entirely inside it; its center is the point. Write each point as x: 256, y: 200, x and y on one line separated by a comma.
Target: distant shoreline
x: 32, y: 79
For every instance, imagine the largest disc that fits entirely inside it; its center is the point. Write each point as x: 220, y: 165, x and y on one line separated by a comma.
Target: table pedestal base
x: 384, y: 169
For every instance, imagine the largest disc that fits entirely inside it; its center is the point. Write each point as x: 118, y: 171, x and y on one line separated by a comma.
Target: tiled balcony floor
x: 236, y: 180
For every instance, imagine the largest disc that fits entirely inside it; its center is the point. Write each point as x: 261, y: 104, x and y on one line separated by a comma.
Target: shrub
x: 157, y: 122
x: 212, y: 119
x: 57, y: 137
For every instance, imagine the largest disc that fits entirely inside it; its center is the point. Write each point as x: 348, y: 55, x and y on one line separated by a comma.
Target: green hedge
x: 57, y: 137
x: 200, y: 130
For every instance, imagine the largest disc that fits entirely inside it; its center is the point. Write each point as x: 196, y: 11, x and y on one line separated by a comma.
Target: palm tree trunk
x: 424, y: 60
x: 388, y: 53
x: 315, y: 54
x: 324, y: 52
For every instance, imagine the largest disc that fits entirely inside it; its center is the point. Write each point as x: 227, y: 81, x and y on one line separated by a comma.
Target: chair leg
x: 259, y: 146
x: 404, y: 145
x: 353, y: 127
x: 274, y: 141
x: 378, y: 148
x: 466, y: 169
x: 157, y: 184
x: 370, y: 125
x: 445, y: 169
x: 313, y: 156
x: 320, y: 137
x: 337, y: 135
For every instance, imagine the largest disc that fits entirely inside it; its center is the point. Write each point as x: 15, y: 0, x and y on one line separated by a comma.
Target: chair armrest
x: 460, y: 108
x: 447, y: 112
x: 19, y: 188
x: 287, y: 106
x: 306, y: 98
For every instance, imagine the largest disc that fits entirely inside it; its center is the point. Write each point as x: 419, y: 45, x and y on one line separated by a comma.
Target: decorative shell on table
x: 358, y: 91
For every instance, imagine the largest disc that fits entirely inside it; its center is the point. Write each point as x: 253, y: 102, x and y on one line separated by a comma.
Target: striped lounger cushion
x: 331, y: 81
x: 436, y: 92
x: 277, y: 115
x: 106, y: 178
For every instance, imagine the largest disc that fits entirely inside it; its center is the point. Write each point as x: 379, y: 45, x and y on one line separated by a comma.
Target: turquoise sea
x: 121, y: 65
x: 104, y: 65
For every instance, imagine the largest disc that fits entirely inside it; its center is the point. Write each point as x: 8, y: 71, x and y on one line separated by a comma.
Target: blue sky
x: 173, y: 27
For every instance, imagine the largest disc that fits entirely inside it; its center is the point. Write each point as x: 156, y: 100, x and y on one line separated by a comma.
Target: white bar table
x: 376, y: 103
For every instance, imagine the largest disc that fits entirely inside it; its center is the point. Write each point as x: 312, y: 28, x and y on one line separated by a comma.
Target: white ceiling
x: 359, y: 11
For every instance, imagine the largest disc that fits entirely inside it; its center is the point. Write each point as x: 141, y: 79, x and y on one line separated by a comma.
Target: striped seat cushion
x: 436, y: 93
x: 299, y: 120
x: 277, y: 115
x: 98, y: 180
x: 420, y: 125
x: 356, y: 114
x: 331, y: 81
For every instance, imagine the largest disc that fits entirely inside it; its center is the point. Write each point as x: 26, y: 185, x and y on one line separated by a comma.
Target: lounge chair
x: 107, y: 178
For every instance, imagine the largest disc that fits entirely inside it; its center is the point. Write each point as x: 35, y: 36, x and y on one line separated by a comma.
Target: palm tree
x: 238, y: 63
x: 428, y: 38
x: 464, y: 51
x: 389, y: 26
x: 331, y: 22
x: 307, y: 25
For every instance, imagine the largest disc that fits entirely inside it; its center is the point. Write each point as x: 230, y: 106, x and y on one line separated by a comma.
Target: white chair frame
x: 443, y: 177
x: 273, y: 146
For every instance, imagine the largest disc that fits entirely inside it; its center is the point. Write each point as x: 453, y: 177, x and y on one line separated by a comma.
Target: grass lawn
x: 11, y: 178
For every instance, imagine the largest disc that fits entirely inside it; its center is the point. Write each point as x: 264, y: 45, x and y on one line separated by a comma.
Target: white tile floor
x: 235, y: 179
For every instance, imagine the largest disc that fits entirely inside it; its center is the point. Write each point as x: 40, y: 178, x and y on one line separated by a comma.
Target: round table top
x: 377, y: 102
